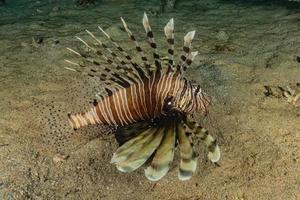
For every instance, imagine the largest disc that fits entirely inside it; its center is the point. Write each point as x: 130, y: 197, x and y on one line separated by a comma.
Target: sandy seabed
x: 243, y: 47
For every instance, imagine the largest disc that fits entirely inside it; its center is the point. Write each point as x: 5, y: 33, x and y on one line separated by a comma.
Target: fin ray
x: 135, y: 66
x: 139, y: 157
x: 169, y: 32
x: 188, y: 160
x: 137, y: 47
x: 124, y: 151
x: 152, y: 43
x: 214, y: 153
x: 163, y: 157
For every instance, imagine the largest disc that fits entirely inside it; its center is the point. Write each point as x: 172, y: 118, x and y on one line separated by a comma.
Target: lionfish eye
x: 168, y: 104
x: 169, y: 101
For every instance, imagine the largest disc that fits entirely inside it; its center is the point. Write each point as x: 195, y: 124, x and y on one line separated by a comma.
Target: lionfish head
x: 189, y: 101
x: 202, y: 101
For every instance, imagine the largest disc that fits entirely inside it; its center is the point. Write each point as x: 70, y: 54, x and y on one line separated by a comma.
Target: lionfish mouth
x: 138, y: 95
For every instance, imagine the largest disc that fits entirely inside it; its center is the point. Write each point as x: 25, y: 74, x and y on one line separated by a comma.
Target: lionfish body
x: 151, y: 107
x: 144, y: 101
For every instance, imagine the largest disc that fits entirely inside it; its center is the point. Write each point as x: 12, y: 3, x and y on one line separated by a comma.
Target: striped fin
x: 126, y: 133
x: 169, y: 32
x: 135, y: 66
x: 123, y: 65
x: 129, y: 147
x: 137, y: 47
x: 152, y: 43
x: 213, y: 148
x: 189, y: 60
x: 163, y: 157
x: 188, y: 160
x: 98, y: 52
x: 104, y: 75
x: 141, y: 155
x: 214, y: 153
x: 108, y: 60
x: 188, y: 38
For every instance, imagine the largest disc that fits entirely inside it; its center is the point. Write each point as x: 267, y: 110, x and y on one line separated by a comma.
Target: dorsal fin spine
x: 152, y: 43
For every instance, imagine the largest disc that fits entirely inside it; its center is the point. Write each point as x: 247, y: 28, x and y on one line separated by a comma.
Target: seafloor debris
x: 167, y: 5
x: 59, y: 158
x: 222, y: 46
x: 155, y: 11
x: 290, y: 93
x: 222, y: 36
x: 37, y: 41
x: 85, y: 2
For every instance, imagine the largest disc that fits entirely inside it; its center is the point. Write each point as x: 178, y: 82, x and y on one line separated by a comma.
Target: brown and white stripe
x: 163, y: 99
x: 139, y: 102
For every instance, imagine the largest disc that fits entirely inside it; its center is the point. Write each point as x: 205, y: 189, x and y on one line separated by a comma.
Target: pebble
x: 55, y: 9
x: 222, y: 36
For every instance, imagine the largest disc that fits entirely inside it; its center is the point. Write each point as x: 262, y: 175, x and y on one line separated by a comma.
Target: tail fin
x: 79, y: 120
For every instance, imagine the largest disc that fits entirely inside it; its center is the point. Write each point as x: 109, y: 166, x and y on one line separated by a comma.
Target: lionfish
x: 150, y: 107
